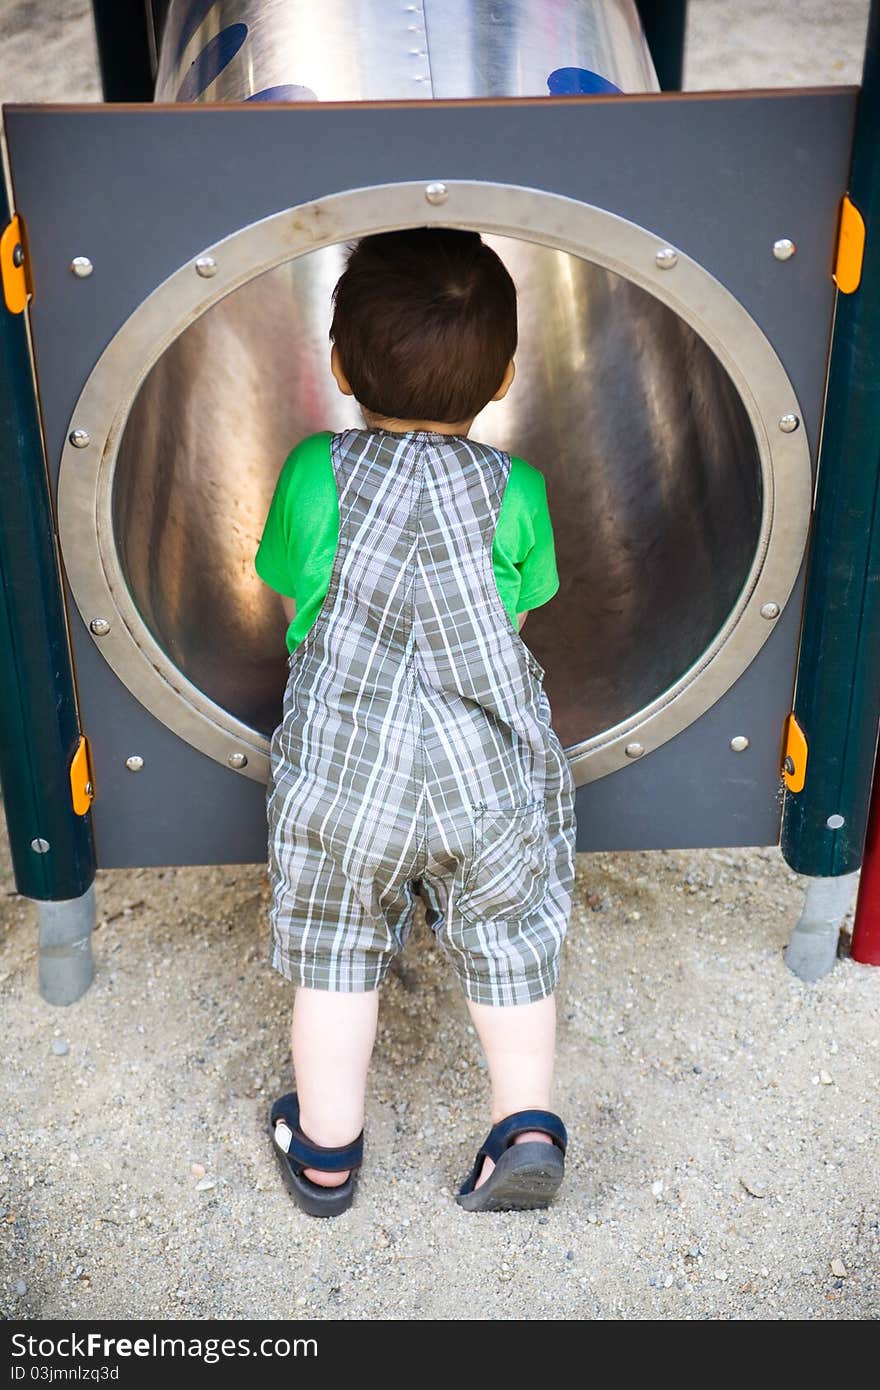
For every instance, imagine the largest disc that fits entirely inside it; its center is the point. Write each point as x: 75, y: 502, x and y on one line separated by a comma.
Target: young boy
x: 415, y: 754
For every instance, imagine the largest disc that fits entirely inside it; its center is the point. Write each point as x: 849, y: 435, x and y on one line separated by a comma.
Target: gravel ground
x: 723, y: 1115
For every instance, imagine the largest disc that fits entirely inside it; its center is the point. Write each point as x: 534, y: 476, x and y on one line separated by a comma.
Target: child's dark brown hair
x: 424, y: 323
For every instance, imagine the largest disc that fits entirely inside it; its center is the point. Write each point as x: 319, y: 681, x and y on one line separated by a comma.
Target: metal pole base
x: 812, y: 950
x: 65, y: 936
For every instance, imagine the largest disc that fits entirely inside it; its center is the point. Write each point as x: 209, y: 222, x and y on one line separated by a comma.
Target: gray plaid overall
x: 415, y: 753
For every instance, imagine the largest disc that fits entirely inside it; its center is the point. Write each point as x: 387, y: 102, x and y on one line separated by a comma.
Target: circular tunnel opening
x: 653, y: 474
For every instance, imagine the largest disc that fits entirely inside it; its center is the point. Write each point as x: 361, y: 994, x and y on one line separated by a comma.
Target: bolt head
x: 436, y: 193
x: 134, y: 763
x: 770, y: 610
x: 789, y: 423
x: 89, y: 789
x: 237, y: 760
x: 81, y: 267
x: 206, y: 266
x: 835, y: 822
x: 666, y: 258
x: 739, y: 743
x: 99, y: 626
x: 788, y: 765
x: 40, y: 846
x: 18, y: 255
x: 80, y: 439
x: 784, y: 248
x: 634, y: 750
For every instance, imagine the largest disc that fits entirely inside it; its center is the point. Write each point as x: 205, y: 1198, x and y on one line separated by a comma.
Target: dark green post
x: 837, y: 699
x: 124, y: 31
x: 664, y: 24
x: 52, y: 848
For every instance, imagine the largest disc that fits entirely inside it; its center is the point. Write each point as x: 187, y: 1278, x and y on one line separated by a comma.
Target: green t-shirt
x: 301, y: 535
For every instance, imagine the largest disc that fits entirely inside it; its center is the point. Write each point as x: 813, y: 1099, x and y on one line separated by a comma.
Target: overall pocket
x: 508, y: 874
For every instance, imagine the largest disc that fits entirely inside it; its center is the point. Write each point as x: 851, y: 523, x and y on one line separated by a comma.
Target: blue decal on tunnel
x: 578, y: 82
x: 286, y: 92
x: 194, y: 16
x: 214, y: 57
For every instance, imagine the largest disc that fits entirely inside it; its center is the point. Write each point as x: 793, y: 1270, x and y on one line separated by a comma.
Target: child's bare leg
x: 332, y: 1038
x: 519, y: 1042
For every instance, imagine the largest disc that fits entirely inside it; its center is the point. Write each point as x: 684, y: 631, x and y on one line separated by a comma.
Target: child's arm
x: 302, y: 526
x: 524, y: 538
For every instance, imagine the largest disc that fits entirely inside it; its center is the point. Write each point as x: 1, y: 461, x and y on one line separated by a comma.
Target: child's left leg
x: 519, y: 1041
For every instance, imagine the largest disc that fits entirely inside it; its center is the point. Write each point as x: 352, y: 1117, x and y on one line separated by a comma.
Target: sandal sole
x: 525, y: 1178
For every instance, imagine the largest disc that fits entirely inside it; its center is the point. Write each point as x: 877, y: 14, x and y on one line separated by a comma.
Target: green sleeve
x: 299, y: 507
x: 538, y: 578
x: 273, y: 559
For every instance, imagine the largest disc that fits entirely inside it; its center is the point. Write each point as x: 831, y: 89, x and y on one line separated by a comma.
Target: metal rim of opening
x: 85, y: 487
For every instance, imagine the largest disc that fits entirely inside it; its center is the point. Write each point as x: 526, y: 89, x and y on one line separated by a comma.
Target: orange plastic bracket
x: 12, y: 267
x: 794, y: 755
x: 82, y: 786
x: 850, y: 247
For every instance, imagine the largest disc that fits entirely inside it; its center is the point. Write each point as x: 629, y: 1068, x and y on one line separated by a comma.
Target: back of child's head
x: 424, y: 324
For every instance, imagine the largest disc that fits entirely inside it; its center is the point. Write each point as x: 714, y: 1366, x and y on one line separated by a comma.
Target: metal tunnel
x: 653, y: 469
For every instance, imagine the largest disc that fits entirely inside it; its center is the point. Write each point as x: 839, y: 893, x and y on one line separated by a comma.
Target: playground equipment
x: 676, y: 259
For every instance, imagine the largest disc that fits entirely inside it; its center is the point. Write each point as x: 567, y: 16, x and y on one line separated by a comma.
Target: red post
x: 866, y: 932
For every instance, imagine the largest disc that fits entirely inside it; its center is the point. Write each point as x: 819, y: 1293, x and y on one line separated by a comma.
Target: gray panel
x: 183, y: 807
x: 141, y: 191
x: 695, y: 790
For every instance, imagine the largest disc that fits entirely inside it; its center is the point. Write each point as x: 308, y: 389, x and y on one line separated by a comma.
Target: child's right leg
x: 332, y: 1038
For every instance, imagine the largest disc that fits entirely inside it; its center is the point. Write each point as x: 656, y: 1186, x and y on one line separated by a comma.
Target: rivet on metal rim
x: 80, y: 439
x: 789, y: 423
x: 436, y: 193
x: 134, y: 763
x: 835, y: 822
x: 237, y: 760
x: 666, y: 258
x: 769, y: 610
x: 40, y: 846
x: 739, y: 743
x: 99, y: 626
x: 206, y: 266
x: 634, y: 750
x: 81, y: 267
x: 784, y: 248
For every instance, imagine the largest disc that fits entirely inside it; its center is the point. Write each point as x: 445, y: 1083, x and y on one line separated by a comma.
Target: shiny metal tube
x: 384, y: 50
x: 652, y: 476
x: 652, y: 467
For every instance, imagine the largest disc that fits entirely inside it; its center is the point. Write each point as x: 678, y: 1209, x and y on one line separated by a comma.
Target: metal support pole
x: 664, y: 23
x: 812, y: 950
x: 837, y: 700
x: 65, y: 935
x: 124, y: 31
x: 52, y: 848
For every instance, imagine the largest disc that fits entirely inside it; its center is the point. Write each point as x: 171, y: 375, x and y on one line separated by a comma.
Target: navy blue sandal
x: 525, y: 1175
x: 295, y: 1153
